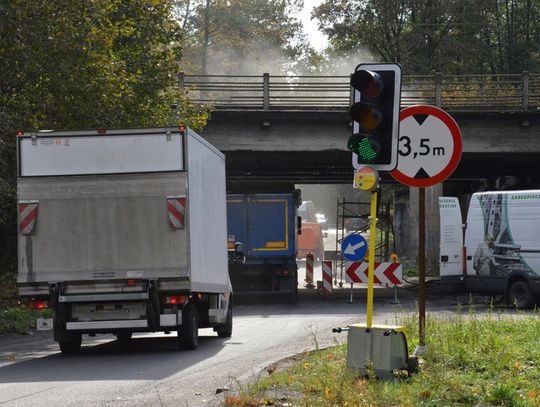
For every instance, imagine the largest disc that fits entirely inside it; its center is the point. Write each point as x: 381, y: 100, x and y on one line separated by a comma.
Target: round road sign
x: 354, y: 247
x: 429, y: 147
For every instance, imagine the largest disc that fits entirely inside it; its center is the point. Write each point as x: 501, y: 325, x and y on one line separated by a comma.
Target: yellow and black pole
x: 371, y: 256
x: 367, y: 179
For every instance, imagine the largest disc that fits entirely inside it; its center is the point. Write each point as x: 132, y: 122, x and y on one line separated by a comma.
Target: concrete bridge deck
x: 297, y: 127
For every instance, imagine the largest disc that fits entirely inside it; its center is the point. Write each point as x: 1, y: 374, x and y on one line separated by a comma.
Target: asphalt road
x: 151, y: 371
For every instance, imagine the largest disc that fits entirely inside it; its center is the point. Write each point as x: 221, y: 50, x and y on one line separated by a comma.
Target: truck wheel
x: 71, y: 346
x: 188, y: 332
x: 520, y: 294
x: 225, y: 331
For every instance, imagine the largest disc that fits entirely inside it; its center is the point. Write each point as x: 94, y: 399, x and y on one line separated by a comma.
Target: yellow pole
x: 371, y: 258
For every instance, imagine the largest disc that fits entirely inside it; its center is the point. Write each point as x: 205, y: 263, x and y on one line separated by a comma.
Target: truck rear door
x: 100, y: 214
x: 264, y: 223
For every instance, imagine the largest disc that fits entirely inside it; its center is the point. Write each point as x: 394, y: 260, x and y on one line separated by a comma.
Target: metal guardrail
x: 465, y: 93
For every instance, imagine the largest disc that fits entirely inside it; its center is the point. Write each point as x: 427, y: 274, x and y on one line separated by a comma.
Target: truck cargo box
x: 266, y: 226
x: 105, y: 206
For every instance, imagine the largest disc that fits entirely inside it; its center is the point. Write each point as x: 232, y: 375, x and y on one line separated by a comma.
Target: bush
x: 20, y: 318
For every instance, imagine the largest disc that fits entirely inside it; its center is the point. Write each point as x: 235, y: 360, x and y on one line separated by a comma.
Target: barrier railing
x: 468, y: 93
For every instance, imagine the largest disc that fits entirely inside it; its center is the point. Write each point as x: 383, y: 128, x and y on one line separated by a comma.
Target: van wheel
x: 520, y: 294
x: 188, y: 332
x: 72, y: 345
x: 225, y: 331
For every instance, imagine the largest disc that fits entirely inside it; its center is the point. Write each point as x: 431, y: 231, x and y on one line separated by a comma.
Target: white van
x: 497, y: 251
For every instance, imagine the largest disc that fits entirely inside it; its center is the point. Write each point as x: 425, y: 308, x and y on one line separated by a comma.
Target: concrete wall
x: 406, y: 217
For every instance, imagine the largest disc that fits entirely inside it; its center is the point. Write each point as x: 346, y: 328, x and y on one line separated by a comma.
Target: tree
x: 449, y: 36
x: 68, y: 64
x: 243, y: 37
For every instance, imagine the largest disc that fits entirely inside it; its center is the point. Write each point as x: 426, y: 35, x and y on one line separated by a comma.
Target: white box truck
x: 497, y: 250
x: 124, y: 231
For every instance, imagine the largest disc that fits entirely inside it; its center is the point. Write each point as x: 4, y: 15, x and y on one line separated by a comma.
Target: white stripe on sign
x: 28, y: 216
x: 176, y: 208
x: 327, y: 278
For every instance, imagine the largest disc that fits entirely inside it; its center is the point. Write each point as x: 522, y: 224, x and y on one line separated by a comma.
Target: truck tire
x: 225, y: 331
x: 71, y: 346
x: 520, y: 295
x: 188, y: 332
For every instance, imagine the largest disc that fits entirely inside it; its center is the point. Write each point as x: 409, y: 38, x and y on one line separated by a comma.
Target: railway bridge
x: 295, y: 128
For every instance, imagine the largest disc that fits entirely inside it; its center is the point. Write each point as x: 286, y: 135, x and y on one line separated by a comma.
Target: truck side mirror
x: 299, y: 224
x: 239, y: 255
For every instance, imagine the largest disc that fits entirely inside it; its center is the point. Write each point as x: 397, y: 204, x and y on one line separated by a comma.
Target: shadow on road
x: 142, y: 358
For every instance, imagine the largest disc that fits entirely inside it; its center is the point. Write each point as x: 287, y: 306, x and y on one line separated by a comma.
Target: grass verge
x: 470, y: 360
x: 21, y: 318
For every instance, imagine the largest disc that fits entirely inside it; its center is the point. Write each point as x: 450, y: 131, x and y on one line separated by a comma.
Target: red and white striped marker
x: 384, y: 273
x: 327, y: 278
x: 27, y: 216
x: 309, y: 270
x: 176, y: 207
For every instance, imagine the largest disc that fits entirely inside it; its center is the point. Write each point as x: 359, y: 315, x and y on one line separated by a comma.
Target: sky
x: 317, y: 39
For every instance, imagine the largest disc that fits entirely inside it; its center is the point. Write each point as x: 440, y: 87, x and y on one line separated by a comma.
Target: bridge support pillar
x: 406, y: 226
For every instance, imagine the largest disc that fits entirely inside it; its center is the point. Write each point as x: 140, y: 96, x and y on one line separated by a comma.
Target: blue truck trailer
x: 267, y: 226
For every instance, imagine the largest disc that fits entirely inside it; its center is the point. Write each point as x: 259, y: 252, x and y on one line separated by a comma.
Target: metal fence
x: 473, y: 93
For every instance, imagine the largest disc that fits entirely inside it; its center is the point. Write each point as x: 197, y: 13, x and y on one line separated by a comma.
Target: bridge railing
x: 509, y: 92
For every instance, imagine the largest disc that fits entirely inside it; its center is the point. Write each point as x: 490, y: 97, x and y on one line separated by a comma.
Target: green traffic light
x: 366, y: 148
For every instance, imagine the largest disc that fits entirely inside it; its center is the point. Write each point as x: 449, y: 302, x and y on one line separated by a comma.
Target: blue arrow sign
x: 354, y: 247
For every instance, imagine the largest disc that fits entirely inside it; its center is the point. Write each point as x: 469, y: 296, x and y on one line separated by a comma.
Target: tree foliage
x: 243, y: 37
x: 69, y: 64
x: 449, y: 36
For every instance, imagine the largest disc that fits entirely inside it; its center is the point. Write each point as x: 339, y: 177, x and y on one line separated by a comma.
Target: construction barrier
x: 309, y: 270
x: 387, y: 274
x: 327, y: 278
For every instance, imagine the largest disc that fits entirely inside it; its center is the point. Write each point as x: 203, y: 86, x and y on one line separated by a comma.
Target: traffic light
x: 375, y: 114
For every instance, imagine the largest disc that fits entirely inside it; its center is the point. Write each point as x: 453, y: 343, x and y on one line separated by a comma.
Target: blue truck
x: 266, y: 226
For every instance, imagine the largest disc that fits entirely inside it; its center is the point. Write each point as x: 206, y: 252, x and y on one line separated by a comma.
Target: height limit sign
x: 429, y: 146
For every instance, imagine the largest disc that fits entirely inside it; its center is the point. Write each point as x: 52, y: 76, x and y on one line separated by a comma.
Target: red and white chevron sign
x: 176, y: 206
x: 384, y: 273
x: 27, y: 216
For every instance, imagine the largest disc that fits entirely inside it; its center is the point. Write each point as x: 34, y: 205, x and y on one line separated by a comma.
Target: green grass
x: 470, y: 360
x: 20, y: 318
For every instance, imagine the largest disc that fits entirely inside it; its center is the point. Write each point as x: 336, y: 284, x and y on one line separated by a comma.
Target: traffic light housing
x: 376, y: 93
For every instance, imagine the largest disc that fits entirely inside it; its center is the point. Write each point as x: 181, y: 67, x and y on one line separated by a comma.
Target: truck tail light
x: 174, y: 299
x: 283, y: 272
x: 39, y: 304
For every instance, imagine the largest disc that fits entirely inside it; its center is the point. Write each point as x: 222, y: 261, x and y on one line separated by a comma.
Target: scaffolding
x: 354, y: 218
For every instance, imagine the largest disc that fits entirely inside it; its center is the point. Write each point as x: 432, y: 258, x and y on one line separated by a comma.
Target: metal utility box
x: 381, y: 347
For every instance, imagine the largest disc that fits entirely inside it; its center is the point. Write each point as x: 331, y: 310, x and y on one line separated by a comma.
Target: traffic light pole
x: 371, y: 257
